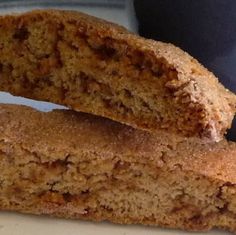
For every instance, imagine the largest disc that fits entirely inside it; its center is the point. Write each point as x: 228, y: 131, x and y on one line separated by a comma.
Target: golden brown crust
x: 162, y: 86
x: 65, y: 130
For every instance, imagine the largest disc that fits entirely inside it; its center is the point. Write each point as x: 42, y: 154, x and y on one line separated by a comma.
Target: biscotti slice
x: 98, y: 67
x: 74, y: 165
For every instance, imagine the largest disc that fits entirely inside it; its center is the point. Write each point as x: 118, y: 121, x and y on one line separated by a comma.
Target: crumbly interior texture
x: 98, y: 67
x: 74, y: 165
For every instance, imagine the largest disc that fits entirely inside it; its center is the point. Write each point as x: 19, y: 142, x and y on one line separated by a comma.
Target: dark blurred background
x: 204, y: 28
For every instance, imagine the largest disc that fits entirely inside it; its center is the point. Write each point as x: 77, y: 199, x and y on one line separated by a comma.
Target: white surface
x: 17, y: 224
x: 43, y: 106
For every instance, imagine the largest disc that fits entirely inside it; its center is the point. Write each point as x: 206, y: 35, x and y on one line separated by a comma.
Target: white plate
x: 18, y: 224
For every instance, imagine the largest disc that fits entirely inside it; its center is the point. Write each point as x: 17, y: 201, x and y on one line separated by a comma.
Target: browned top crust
x: 57, y: 134
x: 193, y: 81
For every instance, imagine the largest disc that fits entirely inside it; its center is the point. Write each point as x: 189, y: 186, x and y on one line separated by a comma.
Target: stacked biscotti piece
x: 168, y: 164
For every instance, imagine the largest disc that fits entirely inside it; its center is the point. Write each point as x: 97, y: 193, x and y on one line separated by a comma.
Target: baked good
x: 98, y: 67
x: 74, y: 165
